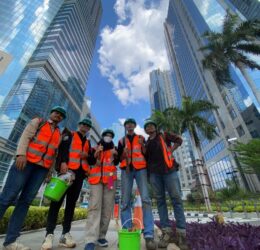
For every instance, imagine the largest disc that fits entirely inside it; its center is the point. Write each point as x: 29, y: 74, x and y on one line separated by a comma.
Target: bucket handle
x: 133, y: 220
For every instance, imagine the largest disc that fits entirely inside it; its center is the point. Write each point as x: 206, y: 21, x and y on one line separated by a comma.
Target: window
x: 240, y: 130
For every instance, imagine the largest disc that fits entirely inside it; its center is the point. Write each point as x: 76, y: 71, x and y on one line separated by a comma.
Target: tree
x: 249, y: 156
x: 233, y: 45
x: 190, y: 118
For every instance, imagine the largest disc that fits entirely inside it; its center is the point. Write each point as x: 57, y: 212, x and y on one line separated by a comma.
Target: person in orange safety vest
x: 131, y: 150
x: 163, y: 177
x: 102, y: 180
x: 35, y: 155
x: 74, y: 155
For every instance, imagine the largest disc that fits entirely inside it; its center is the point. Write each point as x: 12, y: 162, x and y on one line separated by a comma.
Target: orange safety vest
x: 76, y: 148
x: 135, y: 153
x: 44, y: 145
x: 104, y: 169
x: 167, y: 153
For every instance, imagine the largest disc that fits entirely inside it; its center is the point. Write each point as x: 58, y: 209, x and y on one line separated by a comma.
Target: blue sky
x: 129, y: 46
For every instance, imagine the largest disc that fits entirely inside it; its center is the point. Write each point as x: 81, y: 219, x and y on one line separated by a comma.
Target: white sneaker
x: 66, y: 240
x: 47, y: 243
x: 16, y: 246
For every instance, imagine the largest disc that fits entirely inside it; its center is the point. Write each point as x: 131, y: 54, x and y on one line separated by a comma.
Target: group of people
x: 42, y: 145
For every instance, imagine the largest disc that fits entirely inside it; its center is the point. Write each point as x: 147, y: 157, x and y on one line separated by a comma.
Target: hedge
x: 37, y: 218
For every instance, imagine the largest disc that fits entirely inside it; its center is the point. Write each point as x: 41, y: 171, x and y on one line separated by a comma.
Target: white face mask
x: 107, y: 139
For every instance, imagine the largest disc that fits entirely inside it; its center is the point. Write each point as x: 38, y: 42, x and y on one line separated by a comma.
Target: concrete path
x: 34, y: 239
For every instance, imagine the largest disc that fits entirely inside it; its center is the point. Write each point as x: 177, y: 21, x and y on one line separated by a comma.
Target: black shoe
x: 102, y: 242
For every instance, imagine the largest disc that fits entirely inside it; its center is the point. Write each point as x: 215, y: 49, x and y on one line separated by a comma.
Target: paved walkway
x: 34, y: 239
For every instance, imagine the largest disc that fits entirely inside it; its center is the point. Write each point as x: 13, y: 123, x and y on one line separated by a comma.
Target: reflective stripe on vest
x: 167, y: 153
x: 44, y: 145
x: 104, y: 169
x: 135, y: 154
x: 76, y: 148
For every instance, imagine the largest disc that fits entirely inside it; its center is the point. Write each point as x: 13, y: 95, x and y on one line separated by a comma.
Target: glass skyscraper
x: 186, y: 22
x: 250, y: 9
x: 56, y: 73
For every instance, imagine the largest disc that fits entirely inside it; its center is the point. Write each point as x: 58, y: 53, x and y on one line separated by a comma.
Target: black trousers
x: 72, y: 195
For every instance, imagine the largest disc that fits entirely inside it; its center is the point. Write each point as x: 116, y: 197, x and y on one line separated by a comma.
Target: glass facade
x: 158, y: 90
x: 185, y: 23
x: 250, y: 9
x: 56, y: 73
x: 22, y: 25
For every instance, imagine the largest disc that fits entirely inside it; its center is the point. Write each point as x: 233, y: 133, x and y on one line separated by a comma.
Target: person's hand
x: 63, y: 168
x: 21, y: 162
x: 125, y: 152
x: 114, y: 152
x: 83, y: 155
x: 141, y: 140
x: 98, y: 150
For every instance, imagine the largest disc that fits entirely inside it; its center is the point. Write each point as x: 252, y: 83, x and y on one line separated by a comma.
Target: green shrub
x: 37, y: 217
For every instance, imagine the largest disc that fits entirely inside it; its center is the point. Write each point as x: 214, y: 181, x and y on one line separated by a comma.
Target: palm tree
x: 190, y: 118
x: 233, y: 45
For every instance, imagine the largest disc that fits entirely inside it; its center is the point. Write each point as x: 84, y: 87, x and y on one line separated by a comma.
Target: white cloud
x: 135, y: 47
x: 248, y: 101
x: 120, y: 10
x: 215, y: 21
x: 140, y: 131
x: 6, y: 125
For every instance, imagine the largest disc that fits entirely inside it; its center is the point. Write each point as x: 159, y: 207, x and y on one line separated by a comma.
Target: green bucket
x: 55, y: 189
x: 129, y: 240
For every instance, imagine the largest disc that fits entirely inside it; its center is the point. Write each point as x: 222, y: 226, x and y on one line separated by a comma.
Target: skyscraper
x: 250, y: 9
x: 186, y: 22
x: 56, y: 73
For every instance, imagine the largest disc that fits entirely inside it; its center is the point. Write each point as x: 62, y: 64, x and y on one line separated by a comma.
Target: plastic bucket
x: 55, y: 189
x: 129, y: 240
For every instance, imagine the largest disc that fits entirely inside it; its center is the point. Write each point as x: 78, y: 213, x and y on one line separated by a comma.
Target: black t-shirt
x: 154, y: 153
x: 154, y: 157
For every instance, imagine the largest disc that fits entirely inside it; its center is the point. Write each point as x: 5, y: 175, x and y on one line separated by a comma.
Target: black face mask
x: 106, y: 146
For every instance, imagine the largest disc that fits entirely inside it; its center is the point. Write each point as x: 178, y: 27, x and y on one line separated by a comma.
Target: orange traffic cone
x: 138, y: 213
x: 116, y: 212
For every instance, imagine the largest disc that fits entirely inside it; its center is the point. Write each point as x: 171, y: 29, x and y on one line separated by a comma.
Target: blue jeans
x: 170, y: 182
x: 28, y: 182
x: 127, y: 180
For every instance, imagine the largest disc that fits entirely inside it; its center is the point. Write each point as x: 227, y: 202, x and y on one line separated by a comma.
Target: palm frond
x: 252, y: 48
x: 230, y: 23
x: 247, y: 62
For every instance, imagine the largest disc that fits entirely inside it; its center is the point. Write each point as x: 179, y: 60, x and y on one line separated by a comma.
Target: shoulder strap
x: 41, y: 124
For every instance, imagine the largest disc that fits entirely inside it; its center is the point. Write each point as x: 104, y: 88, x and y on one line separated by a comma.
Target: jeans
x: 72, y: 195
x: 170, y: 182
x: 127, y: 180
x: 28, y: 182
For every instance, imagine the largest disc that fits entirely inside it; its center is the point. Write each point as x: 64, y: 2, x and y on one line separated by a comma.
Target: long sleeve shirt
x: 28, y: 134
x: 154, y: 153
x: 63, y: 151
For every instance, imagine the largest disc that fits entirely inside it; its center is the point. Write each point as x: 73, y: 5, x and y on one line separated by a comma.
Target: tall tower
x: 250, y: 9
x: 56, y: 73
x: 186, y: 22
